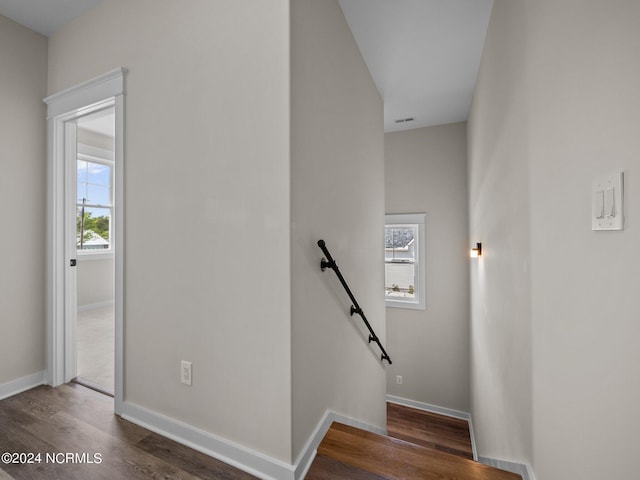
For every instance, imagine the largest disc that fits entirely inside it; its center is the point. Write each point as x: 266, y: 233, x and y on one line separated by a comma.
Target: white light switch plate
x: 185, y: 372
x: 607, y: 209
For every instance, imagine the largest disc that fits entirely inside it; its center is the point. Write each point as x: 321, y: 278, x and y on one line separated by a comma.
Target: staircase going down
x: 350, y: 453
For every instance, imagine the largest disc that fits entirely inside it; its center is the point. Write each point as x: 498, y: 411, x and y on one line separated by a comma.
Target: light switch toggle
x: 609, y: 203
x: 598, y: 204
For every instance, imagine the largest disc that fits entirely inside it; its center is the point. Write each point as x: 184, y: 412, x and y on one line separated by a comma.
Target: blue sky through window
x: 94, y: 183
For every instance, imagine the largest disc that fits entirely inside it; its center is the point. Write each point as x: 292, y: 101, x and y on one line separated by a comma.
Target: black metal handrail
x: 329, y: 262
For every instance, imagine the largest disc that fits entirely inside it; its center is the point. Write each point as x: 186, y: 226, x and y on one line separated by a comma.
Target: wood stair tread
x: 429, y: 429
x: 327, y: 468
x: 395, y: 459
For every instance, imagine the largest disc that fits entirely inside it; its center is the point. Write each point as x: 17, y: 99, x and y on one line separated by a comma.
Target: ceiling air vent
x: 404, y: 120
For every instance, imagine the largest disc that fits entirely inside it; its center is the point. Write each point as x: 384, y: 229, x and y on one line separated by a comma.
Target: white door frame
x: 62, y: 108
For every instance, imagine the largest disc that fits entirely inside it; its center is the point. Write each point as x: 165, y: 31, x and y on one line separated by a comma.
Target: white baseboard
x: 521, y: 469
x: 308, y: 453
x: 239, y: 456
x: 449, y: 412
x: 527, y: 474
x: 19, y: 385
x: 234, y: 454
x: 472, y: 434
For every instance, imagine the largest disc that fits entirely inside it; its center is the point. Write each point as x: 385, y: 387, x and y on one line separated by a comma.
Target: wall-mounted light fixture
x: 476, y: 251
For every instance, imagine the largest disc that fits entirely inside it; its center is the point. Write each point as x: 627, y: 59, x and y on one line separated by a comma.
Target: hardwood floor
x: 420, y: 445
x: 74, y: 419
x: 430, y: 430
x: 347, y: 452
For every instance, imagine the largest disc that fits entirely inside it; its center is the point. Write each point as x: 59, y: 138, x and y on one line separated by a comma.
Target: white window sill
x: 408, y: 305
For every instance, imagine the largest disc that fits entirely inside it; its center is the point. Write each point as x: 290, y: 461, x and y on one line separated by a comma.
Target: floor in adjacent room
x: 96, y: 347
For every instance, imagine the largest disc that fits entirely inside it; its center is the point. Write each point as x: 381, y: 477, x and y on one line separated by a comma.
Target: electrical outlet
x: 185, y: 372
x: 399, y: 379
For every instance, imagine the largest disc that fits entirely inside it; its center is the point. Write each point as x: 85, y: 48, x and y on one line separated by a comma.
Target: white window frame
x: 418, y: 220
x: 104, y: 157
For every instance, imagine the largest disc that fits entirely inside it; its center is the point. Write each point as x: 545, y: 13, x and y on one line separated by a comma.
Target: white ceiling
x: 423, y: 55
x: 44, y: 16
x: 102, y: 122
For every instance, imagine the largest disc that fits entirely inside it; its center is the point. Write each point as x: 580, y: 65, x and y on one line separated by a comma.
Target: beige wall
x: 555, y: 310
x: 23, y: 83
x: 206, y: 167
x: 95, y: 281
x: 337, y: 171
x: 499, y: 207
x: 426, y: 171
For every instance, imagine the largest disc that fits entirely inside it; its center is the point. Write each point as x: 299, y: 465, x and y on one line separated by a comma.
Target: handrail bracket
x: 324, y: 264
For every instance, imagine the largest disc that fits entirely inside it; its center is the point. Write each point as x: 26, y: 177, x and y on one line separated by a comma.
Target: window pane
x: 399, y: 243
x: 400, y: 280
x: 94, y: 183
x: 95, y: 231
x: 400, y: 258
x: 98, y: 194
x: 98, y: 173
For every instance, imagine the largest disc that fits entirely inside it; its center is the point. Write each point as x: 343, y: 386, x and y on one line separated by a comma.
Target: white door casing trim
x: 105, y: 90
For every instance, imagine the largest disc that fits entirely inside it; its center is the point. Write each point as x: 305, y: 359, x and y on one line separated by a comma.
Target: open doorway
x: 85, y: 251
x: 95, y: 252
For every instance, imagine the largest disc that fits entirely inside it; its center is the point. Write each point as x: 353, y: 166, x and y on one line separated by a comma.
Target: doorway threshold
x: 94, y: 386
